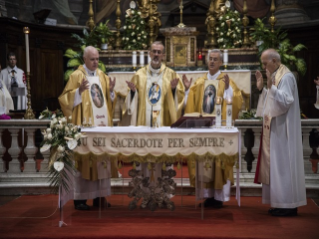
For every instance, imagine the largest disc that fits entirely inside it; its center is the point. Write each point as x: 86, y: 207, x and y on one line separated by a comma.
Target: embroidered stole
x: 98, y: 101
x: 264, y: 161
x: 154, y: 97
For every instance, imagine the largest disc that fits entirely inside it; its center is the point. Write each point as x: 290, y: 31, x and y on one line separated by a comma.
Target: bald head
x: 270, y: 60
x: 91, y: 58
x: 271, y: 54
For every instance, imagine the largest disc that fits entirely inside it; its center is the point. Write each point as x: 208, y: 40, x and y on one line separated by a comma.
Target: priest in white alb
x: 280, y: 166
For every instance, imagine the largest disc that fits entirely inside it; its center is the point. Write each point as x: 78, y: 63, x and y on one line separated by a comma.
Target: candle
x: 148, y: 58
x: 26, y: 30
x: 134, y: 59
x: 200, y: 56
x: 229, y: 112
x: 225, y: 58
x: 219, y: 100
x: 142, y: 58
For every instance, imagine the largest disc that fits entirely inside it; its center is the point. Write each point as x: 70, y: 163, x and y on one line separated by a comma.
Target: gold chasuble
x: 263, y: 164
x: 196, y: 96
x: 152, y: 88
x: 218, y: 172
x: 87, y: 164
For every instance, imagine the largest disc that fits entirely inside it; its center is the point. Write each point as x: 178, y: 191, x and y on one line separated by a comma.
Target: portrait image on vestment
x: 209, y: 99
x: 97, y: 95
x: 154, y: 93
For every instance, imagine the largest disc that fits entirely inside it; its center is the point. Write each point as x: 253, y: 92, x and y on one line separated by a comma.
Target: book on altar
x: 195, y: 120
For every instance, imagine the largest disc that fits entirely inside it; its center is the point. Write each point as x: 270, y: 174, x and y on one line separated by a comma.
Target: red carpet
x: 29, y: 217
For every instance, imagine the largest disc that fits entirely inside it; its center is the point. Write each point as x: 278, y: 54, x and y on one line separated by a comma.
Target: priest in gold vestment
x: 156, y: 75
x: 77, y: 101
x: 217, y: 186
x: 155, y: 98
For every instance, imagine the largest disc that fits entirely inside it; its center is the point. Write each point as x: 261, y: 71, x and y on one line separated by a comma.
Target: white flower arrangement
x: 229, y: 30
x: 134, y: 28
x: 61, y: 138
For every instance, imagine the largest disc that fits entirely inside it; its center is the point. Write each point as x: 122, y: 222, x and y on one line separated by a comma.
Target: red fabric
x: 259, y: 159
x: 24, y: 79
x: 35, y: 216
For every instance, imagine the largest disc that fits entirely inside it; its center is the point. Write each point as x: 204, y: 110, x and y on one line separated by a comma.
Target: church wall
x: 47, y: 46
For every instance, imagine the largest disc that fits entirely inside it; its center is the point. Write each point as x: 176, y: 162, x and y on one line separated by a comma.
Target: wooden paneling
x: 47, y: 46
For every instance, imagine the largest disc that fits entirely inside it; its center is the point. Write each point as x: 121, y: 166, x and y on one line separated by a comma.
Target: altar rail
x: 23, y: 170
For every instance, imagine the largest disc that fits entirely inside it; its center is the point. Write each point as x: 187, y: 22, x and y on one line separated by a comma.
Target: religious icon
x: 154, y: 93
x: 229, y: 112
x: 97, y: 95
x: 218, y: 112
x: 209, y: 99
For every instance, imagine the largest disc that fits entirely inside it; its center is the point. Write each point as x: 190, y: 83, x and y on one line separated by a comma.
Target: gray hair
x: 88, y: 49
x: 272, y: 54
x: 214, y: 51
x: 158, y: 43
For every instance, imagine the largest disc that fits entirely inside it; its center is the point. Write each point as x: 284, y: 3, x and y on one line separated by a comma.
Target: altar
x: 163, y: 145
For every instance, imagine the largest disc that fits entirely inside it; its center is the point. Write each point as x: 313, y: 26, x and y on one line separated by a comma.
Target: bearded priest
x: 155, y: 98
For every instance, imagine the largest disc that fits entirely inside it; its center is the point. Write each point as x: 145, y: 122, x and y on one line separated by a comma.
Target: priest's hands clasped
x: 260, y: 80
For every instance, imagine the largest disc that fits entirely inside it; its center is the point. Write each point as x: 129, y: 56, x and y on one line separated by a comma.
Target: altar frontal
x: 158, y: 143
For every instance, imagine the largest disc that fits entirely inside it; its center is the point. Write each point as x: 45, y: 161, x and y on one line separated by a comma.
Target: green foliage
x: 135, y: 35
x: 250, y: 114
x: 229, y: 30
x: 279, y: 41
x: 103, y: 32
x: 287, y: 52
x: 100, y: 34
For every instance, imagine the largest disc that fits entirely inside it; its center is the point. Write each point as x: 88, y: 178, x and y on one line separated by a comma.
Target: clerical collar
x: 213, y: 77
x: 155, y: 71
x: 89, y: 72
x: 15, y: 68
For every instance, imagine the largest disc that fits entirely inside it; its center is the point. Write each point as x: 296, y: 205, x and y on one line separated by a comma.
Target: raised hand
x: 226, y: 80
x: 187, y: 83
x: 174, y: 83
x: 131, y: 86
x: 112, y: 84
x: 316, y: 81
x: 84, y: 86
x: 260, y: 80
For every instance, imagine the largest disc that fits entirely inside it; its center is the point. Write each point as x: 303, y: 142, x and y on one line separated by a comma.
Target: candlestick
x: 142, y: 58
x: 219, y: 111
x: 134, y: 59
x: 181, y: 24
x: 229, y: 112
x: 26, y: 31
x: 225, y: 58
x: 148, y: 58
